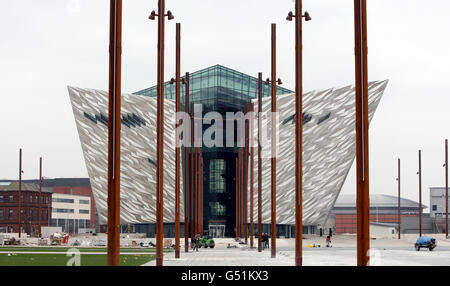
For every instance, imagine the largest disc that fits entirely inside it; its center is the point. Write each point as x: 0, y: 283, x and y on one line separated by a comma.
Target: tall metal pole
x: 273, y: 164
x: 298, y: 135
x: 259, y: 163
x: 20, y: 193
x: 186, y: 172
x: 362, y: 129
x: 40, y: 197
x: 446, y: 188
x: 160, y: 136
x: 399, y: 213
x: 420, y: 193
x: 177, y: 138
x: 251, y: 175
x: 115, y: 64
x: 192, y: 159
x: 237, y: 196
x: 245, y: 175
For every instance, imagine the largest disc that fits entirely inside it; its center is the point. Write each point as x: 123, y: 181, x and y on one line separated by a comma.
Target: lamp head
x: 279, y: 81
x: 170, y: 15
x: 152, y: 15
x: 172, y: 81
x: 268, y: 81
x: 307, y: 17
x: 290, y: 16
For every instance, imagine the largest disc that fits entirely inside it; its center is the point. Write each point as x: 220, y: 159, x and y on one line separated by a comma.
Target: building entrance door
x: 217, y: 231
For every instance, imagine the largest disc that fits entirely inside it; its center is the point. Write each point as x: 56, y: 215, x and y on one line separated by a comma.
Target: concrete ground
x: 385, y: 251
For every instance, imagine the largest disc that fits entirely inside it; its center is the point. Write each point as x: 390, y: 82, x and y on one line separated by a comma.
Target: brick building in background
x: 9, y: 207
x: 76, y: 187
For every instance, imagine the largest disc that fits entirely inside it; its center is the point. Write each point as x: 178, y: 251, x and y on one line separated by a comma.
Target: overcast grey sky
x: 49, y: 44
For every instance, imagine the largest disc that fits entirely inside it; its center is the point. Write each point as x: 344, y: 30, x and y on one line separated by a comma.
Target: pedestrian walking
x: 197, y: 241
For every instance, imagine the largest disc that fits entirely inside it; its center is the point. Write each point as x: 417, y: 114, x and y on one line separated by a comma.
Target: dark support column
x: 259, y: 163
x: 362, y: 129
x: 177, y: 138
x: 273, y: 227
x: 115, y: 61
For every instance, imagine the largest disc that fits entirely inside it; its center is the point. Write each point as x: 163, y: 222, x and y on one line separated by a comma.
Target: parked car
x: 425, y: 242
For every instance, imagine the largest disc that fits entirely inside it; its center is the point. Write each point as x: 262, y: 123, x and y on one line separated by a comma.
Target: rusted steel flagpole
x: 192, y: 189
x: 260, y: 84
x: 177, y: 137
x: 40, y: 197
x: 115, y: 61
x: 298, y: 127
x: 273, y: 225
x: 420, y: 193
x: 20, y: 193
x: 251, y: 173
x: 399, y: 213
x: 362, y: 130
x: 160, y: 136
x: 237, y: 196
x: 446, y: 188
x: 186, y: 169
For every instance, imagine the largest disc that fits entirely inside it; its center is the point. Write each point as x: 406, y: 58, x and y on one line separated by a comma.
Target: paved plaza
x: 384, y: 252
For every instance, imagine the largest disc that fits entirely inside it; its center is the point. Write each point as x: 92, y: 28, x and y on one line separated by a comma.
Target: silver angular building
x: 329, y: 150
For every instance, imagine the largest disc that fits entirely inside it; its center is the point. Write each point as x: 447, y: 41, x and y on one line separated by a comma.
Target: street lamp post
x: 273, y: 163
x: 362, y: 130
x: 273, y: 230
x: 177, y: 138
x: 160, y: 129
x: 298, y: 127
x: 115, y: 63
x: 185, y: 81
x: 259, y: 163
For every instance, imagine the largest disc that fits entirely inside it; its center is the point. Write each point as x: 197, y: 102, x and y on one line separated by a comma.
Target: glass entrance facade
x: 222, y: 90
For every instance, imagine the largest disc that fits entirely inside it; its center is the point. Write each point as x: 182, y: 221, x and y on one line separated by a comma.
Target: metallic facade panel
x: 328, y: 142
x: 328, y: 151
x: 138, y: 145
